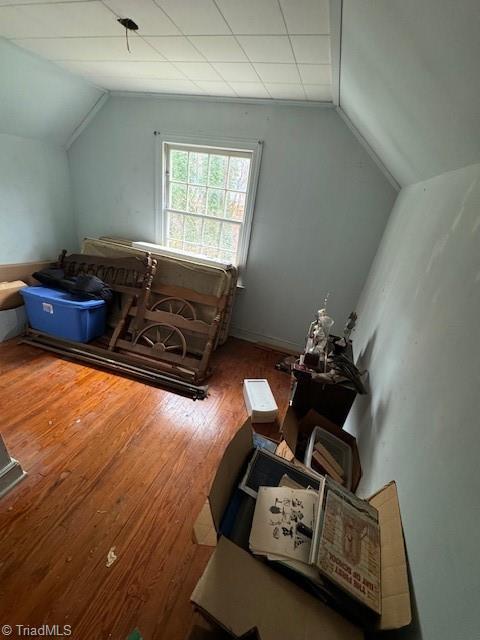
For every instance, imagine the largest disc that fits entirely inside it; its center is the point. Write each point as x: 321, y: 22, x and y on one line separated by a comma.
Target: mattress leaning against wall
x: 179, y: 271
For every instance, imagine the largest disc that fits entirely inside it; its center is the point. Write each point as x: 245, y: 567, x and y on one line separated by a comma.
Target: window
x: 208, y: 198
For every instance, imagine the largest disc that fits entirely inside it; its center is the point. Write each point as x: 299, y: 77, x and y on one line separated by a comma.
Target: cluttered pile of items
x: 119, y: 311
x: 326, y: 355
x: 298, y: 555
x: 308, y: 525
x: 325, y: 536
x: 325, y: 376
x: 283, y: 530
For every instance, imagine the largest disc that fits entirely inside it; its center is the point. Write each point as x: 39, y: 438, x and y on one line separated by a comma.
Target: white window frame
x: 208, y: 145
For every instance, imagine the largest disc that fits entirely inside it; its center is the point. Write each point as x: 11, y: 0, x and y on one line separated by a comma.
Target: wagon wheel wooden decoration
x: 176, y: 305
x: 162, y: 337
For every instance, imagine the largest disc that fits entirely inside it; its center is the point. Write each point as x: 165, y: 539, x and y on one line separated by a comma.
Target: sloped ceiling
x: 410, y: 82
x: 40, y: 100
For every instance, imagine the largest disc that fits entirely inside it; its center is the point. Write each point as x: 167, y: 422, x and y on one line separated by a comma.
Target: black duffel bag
x: 83, y: 286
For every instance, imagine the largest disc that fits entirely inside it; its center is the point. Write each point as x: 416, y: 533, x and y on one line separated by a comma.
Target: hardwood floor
x: 111, y: 463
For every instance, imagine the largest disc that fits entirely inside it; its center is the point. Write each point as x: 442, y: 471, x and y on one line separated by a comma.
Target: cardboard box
x: 241, y: 593
x: 13, y: 322
x: 9, y: 294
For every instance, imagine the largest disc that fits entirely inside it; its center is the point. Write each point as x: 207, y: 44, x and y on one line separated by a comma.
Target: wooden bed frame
x: 156, y: 326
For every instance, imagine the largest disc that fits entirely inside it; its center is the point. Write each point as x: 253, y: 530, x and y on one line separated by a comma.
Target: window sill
x: 174, y: 253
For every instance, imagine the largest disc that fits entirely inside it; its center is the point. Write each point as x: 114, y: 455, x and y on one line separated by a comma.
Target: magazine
x: 349, y: 549
x: 328, y: 536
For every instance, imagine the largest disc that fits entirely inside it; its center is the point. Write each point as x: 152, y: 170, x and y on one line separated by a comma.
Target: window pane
x: 210, y: 252
x: 235, y: 208
x: 238, y: 174
x: 215, y: 202
x: 229, y: 237
x: 197, y: 197
x: 175, y: 226
x: 179, y: 165
x: 191, y: 247
x: 227, y: 256
x: 198, y: 168
x: 217, y: 173
x: 178, y: 196
x: 211, y: 191
x: 193, y: 229
x: 211, y: 233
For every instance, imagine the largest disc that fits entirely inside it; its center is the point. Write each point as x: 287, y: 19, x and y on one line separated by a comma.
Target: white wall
x: 36, y: 219
x: 410, y: 82
x: 418, y: 336
x: 39, y: 99
x: 321, y: 203
x: 40, y: 107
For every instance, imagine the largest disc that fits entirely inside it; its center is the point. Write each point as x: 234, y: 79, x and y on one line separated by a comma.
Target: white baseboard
x: 10, y: 476
x: 268, y: 341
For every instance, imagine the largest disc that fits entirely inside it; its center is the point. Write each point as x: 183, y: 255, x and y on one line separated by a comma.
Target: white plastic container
x: 261, y: 405
x: 338, y: 449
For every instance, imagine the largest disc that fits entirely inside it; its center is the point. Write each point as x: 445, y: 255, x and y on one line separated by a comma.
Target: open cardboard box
x: 240, y: 593
x: 10, y: 297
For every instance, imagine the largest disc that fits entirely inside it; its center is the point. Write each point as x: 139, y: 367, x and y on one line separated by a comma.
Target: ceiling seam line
x: 242, y: 49
x: 293, y: 50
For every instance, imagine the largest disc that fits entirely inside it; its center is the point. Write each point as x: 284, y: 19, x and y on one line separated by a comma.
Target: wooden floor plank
x: 111, y: 462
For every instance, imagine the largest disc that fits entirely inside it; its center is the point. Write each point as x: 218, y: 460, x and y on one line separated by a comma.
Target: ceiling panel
x: 151, y: 20
x: 177, y: 49
x: 315, y: 73
x: 153, y: 85
x: 286, y: 91
x: 216, y: 88
x: 267, y: 48
x: 90, y: 48
x: 311, y: 49
x: 236, y: 71
x: 17, y: 2
x: 281, y: 73
x: 306, y: 16
x: 162, y: 70
x: 253, y: 16
x: 219, y: 48
x: 195, y: 16
x: 276, y: 49
x: 69, y: 19
x: 249, y: 89
x: 199, y: 71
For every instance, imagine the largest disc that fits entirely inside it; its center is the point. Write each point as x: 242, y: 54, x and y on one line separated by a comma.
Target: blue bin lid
x: 60, y: 297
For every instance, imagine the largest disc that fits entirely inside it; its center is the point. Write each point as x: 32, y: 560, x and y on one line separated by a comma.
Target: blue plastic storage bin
x: 61, y: 315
